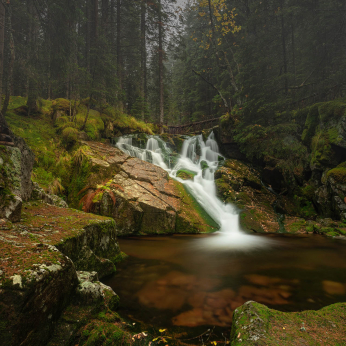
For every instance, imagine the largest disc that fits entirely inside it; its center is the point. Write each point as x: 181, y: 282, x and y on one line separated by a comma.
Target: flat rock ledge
x: 40, y: 257
x: 255, y: 324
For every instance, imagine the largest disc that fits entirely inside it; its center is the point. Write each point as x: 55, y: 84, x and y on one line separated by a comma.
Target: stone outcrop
x: 140, y: 196
x: 38, y: 277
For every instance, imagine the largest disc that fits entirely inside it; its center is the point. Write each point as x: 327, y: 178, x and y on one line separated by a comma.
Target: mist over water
x: 202, y: 159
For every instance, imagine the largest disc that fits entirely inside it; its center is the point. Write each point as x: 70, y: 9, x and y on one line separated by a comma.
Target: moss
x: 61, y: 105
x: 308, y: 191
x: 120, y: 257
x: 256, y: 324
x: 70, y: 136
x: 338, y: 174
x: 332, y: 110
x: 104, y: 334
x: 311, y: 124
x: 186, y: 174
x: 333, y: 135
x: 322, y: 152
x: 204, y: 164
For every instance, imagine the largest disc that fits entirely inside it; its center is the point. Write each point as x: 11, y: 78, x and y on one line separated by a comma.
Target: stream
x: 199, y: 280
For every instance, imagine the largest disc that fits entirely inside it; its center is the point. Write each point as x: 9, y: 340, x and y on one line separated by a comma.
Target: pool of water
x: 198, y: 280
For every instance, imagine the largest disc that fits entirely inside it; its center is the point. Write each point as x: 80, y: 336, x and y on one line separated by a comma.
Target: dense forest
x: 162, y: 63
x: 172, y: 172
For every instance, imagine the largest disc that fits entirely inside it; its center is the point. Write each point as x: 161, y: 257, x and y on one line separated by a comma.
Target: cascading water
x: 152, y: 153
x: 203, y: 159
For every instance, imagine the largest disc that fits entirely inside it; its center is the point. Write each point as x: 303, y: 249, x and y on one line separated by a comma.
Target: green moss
x: 333, y: 135
x: 311, y: 123
x: 104, y: 334
x: 256, y: 324
x: 338, y: 174
x: 308, y: 192
x: 204, y: 164
x: 70, y: 136
x: 186, y: 174
x: 120, y: 257
x: 321, y: 150
x: 332, y: 110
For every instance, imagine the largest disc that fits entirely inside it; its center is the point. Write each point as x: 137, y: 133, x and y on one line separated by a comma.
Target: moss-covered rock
x: 37, y: 271
x: 256, y: 324
x: 15, y: 178
x: 186, y: 174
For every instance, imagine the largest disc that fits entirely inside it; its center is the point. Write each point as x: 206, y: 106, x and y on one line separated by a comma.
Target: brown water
x: 181, y: 281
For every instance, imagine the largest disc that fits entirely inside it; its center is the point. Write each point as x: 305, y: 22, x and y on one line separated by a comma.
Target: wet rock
x: 334, y: 288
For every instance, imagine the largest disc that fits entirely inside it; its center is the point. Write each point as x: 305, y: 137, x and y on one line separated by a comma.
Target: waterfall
x: 203, y: 159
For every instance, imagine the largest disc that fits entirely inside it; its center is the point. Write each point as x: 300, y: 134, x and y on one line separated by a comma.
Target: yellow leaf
x: 162, y: 330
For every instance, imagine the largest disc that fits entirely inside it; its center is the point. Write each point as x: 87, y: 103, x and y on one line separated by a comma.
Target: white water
x: 202, y: 187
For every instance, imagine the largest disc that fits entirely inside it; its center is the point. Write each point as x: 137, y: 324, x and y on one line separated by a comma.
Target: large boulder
x: 140, y: 196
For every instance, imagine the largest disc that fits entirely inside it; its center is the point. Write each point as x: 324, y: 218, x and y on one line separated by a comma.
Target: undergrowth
x: 53, y: 134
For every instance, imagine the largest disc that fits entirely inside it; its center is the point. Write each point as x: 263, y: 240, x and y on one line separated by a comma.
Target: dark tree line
x: 135, y: 55
x: 111, y: 51
x: 259, y: 55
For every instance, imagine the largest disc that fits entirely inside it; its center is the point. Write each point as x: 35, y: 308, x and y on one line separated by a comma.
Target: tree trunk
x: 161, y: 68
x: 32, y: 85
x: 95, y: 22
x: 294, y: 52
x: 11, y: 61
x: 284, y: 51
x: 2, y: 46
x: 143, y: 56
x: 87, y: 37
x: 119, y: 53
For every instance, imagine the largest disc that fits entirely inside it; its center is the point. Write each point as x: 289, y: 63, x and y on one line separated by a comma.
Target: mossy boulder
x: 186, y: 174
x: 256, y: 324
x: 338, y: 174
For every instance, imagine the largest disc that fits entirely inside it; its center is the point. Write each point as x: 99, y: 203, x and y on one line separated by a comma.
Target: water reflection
x: 186, y: 281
